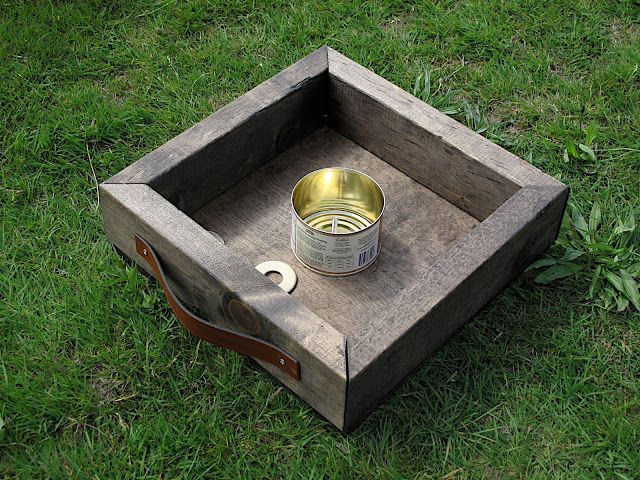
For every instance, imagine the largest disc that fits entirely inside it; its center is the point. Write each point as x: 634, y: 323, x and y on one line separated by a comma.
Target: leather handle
x: 208, y: 332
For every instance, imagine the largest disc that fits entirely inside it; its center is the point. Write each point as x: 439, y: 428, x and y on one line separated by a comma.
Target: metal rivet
x: 282, y: 362
x: 144, y: 252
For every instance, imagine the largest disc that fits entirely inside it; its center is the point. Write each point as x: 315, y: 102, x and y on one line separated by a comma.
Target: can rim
x: 384, y: 201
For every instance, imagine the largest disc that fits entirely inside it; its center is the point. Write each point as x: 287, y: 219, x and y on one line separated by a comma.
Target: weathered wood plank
x: 461, y: 282
x: 418, y: 226
x: 208, y: 158
x: 208, y: 275
x: 438, y: 265
x: 458, y: 164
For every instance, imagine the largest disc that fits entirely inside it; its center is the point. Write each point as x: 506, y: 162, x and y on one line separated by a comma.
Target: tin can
x: 336, y: 220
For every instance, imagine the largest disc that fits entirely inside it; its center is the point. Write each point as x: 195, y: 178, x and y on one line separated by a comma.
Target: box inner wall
x: 254, y: 218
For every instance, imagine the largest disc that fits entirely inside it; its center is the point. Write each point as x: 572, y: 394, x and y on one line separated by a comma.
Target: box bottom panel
x: 254, y: 219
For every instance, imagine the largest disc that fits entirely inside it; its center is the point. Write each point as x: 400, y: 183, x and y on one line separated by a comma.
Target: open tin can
x: 336, y: 220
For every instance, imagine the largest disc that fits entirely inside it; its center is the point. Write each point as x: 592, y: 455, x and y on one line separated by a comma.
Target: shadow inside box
x: 254, y: 219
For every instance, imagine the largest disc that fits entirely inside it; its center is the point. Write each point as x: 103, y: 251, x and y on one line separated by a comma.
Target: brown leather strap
x: 221, y: 337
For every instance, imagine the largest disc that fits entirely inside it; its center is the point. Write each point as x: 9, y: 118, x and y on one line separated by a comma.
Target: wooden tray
x: 463, y: 218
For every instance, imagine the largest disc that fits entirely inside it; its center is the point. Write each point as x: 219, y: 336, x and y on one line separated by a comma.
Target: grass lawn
x: 97, y: 380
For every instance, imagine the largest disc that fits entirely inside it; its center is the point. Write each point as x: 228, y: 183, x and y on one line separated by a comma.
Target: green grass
x: 98, y: 381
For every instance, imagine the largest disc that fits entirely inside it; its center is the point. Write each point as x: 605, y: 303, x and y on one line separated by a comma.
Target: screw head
x: 282, y: 361
x: 144, y: 252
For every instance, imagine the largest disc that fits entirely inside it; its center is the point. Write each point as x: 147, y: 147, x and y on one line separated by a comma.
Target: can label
x: 334, y: 253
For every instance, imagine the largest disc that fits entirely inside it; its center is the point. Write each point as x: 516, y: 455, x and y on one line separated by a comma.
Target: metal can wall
x: 336, y: 220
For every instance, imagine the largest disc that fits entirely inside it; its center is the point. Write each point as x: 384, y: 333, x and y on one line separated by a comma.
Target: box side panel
x: 458, y: 164
x: 459, y: 284
x: 211, y: 156
x: 207, y: 276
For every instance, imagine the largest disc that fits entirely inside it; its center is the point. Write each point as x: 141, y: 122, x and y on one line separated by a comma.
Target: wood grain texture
x: 208, y: 158
x: 456, y: 163
x: 454, y: 288
x: 254, y: 218
x: 463, y: 218
x: 209, y: 276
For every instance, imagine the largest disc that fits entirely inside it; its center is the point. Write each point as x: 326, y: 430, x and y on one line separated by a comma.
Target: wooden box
x: 463, y: 218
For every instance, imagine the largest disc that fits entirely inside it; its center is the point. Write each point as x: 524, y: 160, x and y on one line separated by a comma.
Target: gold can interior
x: 338, y: 200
